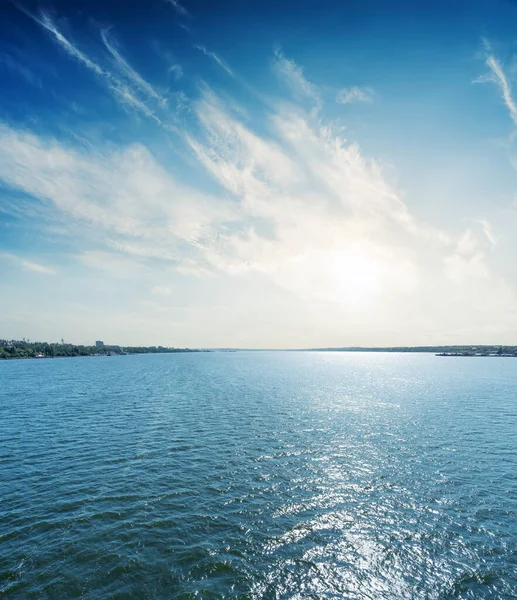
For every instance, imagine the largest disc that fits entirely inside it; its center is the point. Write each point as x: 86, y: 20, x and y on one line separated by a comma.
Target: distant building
x: 99, y: 344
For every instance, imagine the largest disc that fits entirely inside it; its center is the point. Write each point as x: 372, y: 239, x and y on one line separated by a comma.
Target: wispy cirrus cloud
x: 489, y: 232
x: 126, y: 69
x: 498, y: 76
x: 291, y: 73
x: 336, y: 228
x: 28, y: 265
x: 179, y: 8
x: 320, y: 199
x: 122, y: 198
x: 173, y: 65
x: 123, y: 93
x: 354, y: 94
x: 177, y: 70
x: 299, y: 206
x: 306, y: 205
x: 217, y: 59
x: 186, y: 29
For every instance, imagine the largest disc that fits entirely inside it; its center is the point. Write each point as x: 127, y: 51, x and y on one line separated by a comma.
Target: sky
x: 258, y: 174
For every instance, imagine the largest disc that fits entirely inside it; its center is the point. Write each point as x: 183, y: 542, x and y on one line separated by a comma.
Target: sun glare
x: 355, y: 277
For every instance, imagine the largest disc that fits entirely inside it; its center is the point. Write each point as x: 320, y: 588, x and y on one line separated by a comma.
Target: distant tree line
x: 467, y: 350
x: 26, y: 349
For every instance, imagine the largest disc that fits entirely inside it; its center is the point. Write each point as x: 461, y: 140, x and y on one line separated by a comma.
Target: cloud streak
x: 28, y: 265
x: 123, y: 198
x: 135, y: 78
x: 177, y: 69
x: 354, y: 94
x: 499, y: 77
x: 179, y: 8
x: 504, y: 86
x: 217, y: 59
x: 124, y: 94
x: 292, y: 74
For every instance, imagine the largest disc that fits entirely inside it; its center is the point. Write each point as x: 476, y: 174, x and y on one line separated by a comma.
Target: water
x: 259, y: 475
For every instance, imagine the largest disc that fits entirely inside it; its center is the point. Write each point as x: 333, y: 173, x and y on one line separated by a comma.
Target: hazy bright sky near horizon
x: 259, y: 173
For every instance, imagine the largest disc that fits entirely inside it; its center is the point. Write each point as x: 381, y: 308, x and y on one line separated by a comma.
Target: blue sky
x: 258, y: 174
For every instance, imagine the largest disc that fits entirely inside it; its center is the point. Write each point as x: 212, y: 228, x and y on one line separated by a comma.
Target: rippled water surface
x: 259, y: 475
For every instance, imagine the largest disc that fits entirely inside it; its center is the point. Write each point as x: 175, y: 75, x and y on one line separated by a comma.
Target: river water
x: 259, y: 475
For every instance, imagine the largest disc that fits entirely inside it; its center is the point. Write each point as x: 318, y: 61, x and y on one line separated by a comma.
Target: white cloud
x: 177, y: 70
x: 185, y: 28
x: 489, y: 232
x: 499, y: 77
x: 126, y: 95
x: 470, y: 258
x: 320, y: 200
x: 467, y: 244
x: 300, y: 210
x: 161, y: 290
x: 127, y: 70
x: 179, y: 8
x: 217, y: 59
x: 303, y: 209
x: 115, y: 264
x: 28, y: 265
x: 116, y: 194
x: 354, y: 94
x: 170, y: 59
x: 292, y: 74
x: 461, y: 268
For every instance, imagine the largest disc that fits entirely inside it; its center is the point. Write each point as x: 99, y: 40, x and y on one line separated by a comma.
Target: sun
x: 355, y: 277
